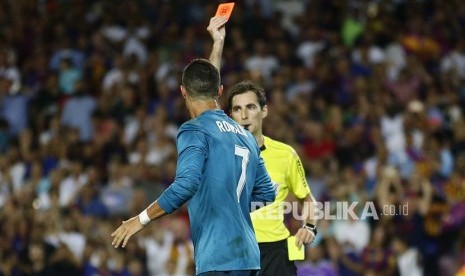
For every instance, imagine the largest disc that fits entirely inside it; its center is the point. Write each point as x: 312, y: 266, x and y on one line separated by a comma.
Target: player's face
x: 246, y: 111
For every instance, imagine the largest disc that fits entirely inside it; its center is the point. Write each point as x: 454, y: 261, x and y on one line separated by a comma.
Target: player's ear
x: 183, y: 91
x: 220, y: 91
x: 264, y: 111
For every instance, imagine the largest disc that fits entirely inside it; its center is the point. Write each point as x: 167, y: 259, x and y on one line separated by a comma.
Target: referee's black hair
x: 244, y: 87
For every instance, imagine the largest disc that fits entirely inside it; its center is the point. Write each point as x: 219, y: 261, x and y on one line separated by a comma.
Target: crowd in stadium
x: 370, y: 93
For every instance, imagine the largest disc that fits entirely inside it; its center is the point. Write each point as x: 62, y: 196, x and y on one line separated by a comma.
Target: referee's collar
x: 263, y: 147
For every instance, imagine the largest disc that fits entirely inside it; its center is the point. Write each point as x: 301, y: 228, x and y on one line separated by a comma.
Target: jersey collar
x: 263, y: 147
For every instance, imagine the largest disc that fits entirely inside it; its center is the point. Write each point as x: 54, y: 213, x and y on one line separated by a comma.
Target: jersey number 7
x: 244, y: 153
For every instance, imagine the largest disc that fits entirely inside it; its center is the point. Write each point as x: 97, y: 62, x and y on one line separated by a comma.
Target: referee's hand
x: 303, y: 236
x: 217, y: 29
x: 125, y: 231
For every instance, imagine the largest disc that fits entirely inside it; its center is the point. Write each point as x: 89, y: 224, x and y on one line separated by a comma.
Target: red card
x: 225, y: 9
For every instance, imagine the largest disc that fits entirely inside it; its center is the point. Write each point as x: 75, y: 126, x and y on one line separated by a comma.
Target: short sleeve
x: 296, y: 177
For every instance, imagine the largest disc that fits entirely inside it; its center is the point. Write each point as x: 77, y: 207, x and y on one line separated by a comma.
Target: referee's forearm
x: 216, y: 53
x: 310, y: 205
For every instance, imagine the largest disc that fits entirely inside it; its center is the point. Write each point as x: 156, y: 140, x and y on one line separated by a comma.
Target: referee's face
x: 246, y: 111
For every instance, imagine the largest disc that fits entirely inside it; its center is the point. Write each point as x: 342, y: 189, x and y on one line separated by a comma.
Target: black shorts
x: 231, y: 273
x: 274, y: 259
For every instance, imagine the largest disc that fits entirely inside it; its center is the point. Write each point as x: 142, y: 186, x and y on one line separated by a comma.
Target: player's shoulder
x: 283, y: 148
x: 205, y: 123
x: 192, y: 124
x: 195, y: 124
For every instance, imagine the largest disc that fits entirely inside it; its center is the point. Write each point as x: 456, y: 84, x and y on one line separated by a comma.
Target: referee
x: 247, y: 106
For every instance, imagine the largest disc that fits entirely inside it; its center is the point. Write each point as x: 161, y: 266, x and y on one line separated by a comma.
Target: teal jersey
x: 219, y: 173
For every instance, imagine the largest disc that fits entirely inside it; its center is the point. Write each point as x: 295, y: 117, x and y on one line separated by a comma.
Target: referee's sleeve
x: 296, y: 180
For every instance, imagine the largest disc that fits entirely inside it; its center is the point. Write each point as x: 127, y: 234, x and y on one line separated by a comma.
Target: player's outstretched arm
x: 217, y: 31
x: 191, y: 159
x: 192, y: 147
x: 135, y: 224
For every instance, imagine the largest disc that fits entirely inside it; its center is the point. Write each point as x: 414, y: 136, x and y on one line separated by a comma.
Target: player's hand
x: 217, y: 28
x: 303, y: 236
x: 125, y: 231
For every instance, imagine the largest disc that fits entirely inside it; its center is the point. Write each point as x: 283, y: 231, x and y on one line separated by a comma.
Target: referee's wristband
x: 311, y: 227
x: 144, y: 217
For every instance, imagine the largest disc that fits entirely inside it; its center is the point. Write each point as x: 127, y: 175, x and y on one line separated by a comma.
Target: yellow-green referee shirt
x: 286, y: 172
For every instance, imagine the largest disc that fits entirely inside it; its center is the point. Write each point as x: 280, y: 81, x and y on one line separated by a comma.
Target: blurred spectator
x: 454, y: 62
x: 68, y: 76
x: 408, y: 258
x: 261, y: 61
x: 377, y: 255
x: 14, y: 107
x: 84, y: 105
x: 317, y: 263
x: 71, y: 185
x: 352, y: 234
x: 117, y: 194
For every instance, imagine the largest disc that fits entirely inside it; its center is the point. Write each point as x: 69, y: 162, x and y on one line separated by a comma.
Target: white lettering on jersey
x: 224, y: 126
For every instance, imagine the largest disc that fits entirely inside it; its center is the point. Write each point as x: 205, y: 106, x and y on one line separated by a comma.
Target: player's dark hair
x: 201, y: 79
x: 244, y: 87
